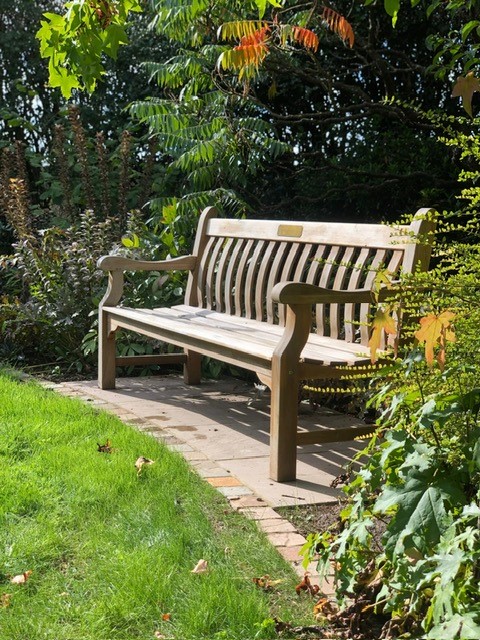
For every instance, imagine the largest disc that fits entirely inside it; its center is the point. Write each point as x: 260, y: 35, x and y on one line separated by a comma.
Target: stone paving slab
x: 222, y: 429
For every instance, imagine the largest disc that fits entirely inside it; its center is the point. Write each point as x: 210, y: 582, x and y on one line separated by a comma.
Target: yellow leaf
x: 436, y: 330
x: 465, y: 88
x: 382, y: 321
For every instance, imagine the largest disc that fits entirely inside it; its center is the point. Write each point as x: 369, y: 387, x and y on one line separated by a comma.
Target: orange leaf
x: 436, y: 330
x: 21, y: 578
x: 305, y: 37
x: 382, y: 322
x: 339, y: 25
x: 166, y: 617
x: 306, y: 585
x: 465, y: 88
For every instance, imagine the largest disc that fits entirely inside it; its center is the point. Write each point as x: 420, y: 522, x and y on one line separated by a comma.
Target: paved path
x: 221, y: 427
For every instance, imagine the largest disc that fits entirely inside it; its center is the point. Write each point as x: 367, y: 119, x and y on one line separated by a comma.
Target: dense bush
x: 419, y: 479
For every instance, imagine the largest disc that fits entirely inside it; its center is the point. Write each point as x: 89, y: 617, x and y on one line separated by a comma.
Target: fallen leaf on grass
x: 5, y: 599
x: 141, y: 462
x: 265, y: 583
x: 166, y: 617
x: 200, y: 567
x: 325, y: 609
x: 105, y: 448
x: 306, y: 585
x: 161, y: 636
x: 21, y: 578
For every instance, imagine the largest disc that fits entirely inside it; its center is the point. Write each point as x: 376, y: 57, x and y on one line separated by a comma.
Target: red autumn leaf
x: 305, y: 37
x: 339, y: 25
x: 306, y: 585
x: 166, y: 617
x: 465, y: 88
x: 382, y: 322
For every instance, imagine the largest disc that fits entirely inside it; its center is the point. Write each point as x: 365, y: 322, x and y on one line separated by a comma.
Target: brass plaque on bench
x: 290, y: 230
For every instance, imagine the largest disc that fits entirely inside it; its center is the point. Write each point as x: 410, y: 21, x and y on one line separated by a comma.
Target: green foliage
x: 74, y: 43
x: 419, y: 477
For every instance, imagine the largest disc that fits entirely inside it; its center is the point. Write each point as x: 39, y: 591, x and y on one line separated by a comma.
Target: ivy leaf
x: 382, y: 322
x: 436, y: 331
x: 464, y: 88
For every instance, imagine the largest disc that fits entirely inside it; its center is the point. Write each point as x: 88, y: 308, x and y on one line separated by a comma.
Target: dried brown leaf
x: 200, y: 567
x: 5, y: 599
x: 306, y: 585
x: 265, y: 583
x: 21, y: 578
x: 141, y: 462
x: 325, y: 609
x: 105, y: 448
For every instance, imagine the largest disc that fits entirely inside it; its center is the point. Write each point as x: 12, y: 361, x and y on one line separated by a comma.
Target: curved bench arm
x: 116, y: 265
x: 302, y: 293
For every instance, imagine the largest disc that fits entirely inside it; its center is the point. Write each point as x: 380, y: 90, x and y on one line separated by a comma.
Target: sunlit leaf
x: 382, y: 323
x: 464, y: 88
x: 436, y: 331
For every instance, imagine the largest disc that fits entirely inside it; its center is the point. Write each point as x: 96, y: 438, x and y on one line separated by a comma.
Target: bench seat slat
x: 225, y: 333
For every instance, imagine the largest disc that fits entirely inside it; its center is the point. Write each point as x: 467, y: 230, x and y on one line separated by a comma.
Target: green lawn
x: 111, y: 552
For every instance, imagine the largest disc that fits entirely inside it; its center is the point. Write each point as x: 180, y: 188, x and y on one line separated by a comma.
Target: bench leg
x: 106, y: 355
x: 283, y: 422
x: 192, y: 369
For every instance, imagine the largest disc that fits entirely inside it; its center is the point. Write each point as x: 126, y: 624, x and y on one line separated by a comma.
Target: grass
x: 111, y: 553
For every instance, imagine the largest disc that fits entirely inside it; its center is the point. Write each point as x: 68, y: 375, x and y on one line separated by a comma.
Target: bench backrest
x: 241, y: 260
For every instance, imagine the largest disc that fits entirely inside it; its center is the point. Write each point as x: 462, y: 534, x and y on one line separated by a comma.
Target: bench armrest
x: 116, y: 265
x: 303, y: 293
x: 120, y: 263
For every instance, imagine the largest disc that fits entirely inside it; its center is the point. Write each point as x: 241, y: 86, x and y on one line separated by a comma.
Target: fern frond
x: 339, y: 25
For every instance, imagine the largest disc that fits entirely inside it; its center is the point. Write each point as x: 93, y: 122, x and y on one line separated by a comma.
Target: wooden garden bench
x: 288, y: 300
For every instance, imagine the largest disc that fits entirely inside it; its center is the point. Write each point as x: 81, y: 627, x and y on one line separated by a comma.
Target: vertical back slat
x: 342, y: 272
x: 261, y: 284
x: 202, y: 273
x: 274, y: 277
x: 231, y: 275
x: 287, y: 274
x: 250, y: 281
x: 211, y: 273
x: 356, y: 276
x: 241, y: 278
x: 324, y: 281
x: 378, y: 260
x: 221, y: 292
